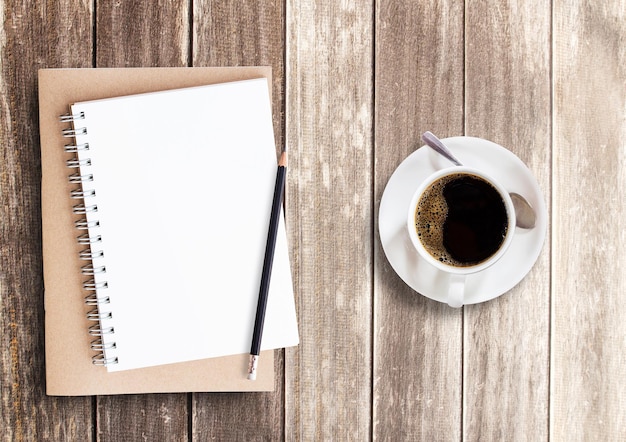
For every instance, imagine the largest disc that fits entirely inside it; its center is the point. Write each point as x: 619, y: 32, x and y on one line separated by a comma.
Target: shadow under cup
x: 461, y: 221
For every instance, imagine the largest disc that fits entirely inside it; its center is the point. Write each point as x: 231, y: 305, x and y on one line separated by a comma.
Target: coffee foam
x: 430, y: 215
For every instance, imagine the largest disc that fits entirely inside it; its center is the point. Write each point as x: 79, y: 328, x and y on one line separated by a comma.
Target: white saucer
x: 503, y: 166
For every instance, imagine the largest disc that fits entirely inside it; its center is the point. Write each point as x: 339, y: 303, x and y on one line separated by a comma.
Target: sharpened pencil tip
x: 283, y: 159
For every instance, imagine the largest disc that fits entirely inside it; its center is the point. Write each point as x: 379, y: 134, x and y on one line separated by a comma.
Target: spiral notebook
x: 170, y: 193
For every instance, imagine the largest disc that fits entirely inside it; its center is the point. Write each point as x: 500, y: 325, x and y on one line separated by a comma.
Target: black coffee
x: 461, y: 220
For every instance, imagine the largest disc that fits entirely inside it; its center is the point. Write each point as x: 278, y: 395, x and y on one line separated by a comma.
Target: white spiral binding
x: 93, y: 288
x: 86, y: 239
x: 83, y: 224
x: 96, y: 330
x: 73, y: 148
x: 80, y: 194
x: 92, y: 299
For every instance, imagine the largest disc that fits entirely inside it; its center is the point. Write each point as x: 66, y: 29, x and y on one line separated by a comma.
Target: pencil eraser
x: 254, y: 360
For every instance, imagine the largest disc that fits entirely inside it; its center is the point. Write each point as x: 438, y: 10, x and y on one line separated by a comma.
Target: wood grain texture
x: 241, y: 416
x: 132, y: 33
x: 25, y: 412
x: 244, y: 33
x: 240, y: 33
x: 161, y: 417
x: 417, y: 342
x: 329, y: 212
x: 588, y: 395
x: 506, y: 341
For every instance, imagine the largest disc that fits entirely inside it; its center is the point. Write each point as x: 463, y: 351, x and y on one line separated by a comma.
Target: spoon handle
x: 431, y: 140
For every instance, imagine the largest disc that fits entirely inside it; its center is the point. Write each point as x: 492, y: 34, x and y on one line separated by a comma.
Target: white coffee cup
x: 459, y: 269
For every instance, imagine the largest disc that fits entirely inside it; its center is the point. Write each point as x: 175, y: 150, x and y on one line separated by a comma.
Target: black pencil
x: 277, y: 202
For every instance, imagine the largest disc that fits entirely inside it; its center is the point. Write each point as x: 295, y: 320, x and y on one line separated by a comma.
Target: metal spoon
x: 524, y: 214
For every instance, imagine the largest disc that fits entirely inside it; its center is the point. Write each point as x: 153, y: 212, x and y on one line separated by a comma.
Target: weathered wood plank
x: 329, y: 117
x: 161, y: 417
x: 506, y: 341
x: 588, y: 393
x: 26, y: 412
x: 132, y: 33
x: 241, y: 416
x: 244, y: 33
x: 417, y: 342
x: 239, y: 33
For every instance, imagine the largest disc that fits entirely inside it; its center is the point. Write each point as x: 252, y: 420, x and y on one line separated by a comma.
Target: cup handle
x: 456, y: 290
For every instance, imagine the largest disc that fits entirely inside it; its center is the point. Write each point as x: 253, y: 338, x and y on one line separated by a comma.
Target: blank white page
x: 184, y: 181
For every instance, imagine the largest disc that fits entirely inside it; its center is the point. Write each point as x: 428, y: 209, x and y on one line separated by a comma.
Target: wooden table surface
x: 355, y: 84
